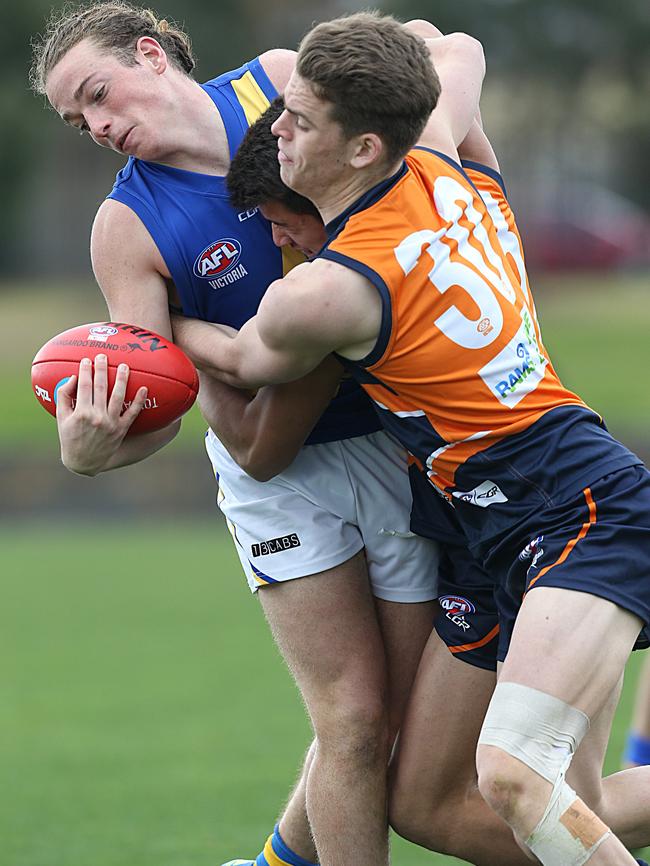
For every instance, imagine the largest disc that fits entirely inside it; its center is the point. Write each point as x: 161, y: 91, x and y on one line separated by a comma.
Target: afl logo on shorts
x: 456, y: 603
x: 217, y: 259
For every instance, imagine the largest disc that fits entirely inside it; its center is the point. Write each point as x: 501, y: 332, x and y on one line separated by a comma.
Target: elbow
x: 422, y: 28
x: 261, y: 468
x: 258, y: 462
x: 468, y: 50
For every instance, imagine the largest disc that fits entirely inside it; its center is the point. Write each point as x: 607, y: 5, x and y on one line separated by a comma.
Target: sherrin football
x: 153, y: 361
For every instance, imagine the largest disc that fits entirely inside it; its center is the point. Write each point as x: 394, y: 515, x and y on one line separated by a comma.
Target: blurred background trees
x: 566, y: 104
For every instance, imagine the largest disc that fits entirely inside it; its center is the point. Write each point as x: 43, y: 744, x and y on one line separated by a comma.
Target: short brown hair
x: 378, y: 76
x: 114, y: 26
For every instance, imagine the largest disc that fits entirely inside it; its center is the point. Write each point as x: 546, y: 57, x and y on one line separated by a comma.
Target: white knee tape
x: 541, y: 731
x: 568, y: 833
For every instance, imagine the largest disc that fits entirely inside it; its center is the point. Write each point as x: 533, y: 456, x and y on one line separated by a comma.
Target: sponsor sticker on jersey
x: 518, y: 368
x: 218, y: 259
x: 487, y: 493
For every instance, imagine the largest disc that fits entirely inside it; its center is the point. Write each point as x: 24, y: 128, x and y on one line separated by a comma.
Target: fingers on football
x: 84, y: 385
x: 116, y: 402
x: 65, y: 397
x: 100, y: 381
x: 136, y: 406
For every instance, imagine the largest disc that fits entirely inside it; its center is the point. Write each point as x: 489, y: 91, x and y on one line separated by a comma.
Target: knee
x: 354, y: 728
x: 502, y: 780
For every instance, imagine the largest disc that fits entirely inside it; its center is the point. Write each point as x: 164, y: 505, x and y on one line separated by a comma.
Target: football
x: 154, y: 361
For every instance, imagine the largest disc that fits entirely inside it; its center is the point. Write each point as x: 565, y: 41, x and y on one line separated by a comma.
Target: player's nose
x: 99, y: 126
x: 280, y: 236
x: 280, y: 127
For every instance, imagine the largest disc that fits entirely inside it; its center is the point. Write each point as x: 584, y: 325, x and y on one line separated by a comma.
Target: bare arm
x: 318, y: 308
x: 128, y: 269
x: 264, y: 433
x: 278, y: 65
x: 459, y: 61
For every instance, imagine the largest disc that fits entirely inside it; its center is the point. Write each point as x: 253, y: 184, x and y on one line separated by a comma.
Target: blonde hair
x: 114, y: 26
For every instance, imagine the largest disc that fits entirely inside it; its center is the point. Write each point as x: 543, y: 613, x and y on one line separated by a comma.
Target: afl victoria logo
x: 456, y: 604
x: 217, y: 259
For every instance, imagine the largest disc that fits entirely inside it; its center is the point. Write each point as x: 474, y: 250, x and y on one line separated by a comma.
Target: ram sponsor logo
x: 487, y: 493
x: 101, y: 333
x: 456, y: 604
x: 217, y: 259
x: 518, y: 368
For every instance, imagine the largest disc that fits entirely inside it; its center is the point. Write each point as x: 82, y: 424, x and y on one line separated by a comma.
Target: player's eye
x: 99, y: 93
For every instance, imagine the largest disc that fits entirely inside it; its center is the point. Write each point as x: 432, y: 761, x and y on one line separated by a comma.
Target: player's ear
x: 368, y: 149
x: 148, y: 50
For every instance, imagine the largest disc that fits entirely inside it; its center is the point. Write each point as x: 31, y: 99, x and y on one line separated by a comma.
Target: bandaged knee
x: 544, y: 732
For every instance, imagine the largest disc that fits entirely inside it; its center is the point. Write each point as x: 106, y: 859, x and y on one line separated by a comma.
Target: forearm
x: 460, y: 63
x: 263, y: 433
x: 241, y: 359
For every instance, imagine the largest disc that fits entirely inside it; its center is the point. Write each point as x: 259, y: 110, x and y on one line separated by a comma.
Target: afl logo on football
x: 101, y: 333
x: 456, y: 603
x: 217, y: 259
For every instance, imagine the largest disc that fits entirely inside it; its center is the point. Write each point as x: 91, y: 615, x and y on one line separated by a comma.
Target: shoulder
x: 119, y: 236
x: 278, y: 63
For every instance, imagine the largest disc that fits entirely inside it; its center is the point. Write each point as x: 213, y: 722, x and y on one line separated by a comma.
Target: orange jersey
x: 459, y: 363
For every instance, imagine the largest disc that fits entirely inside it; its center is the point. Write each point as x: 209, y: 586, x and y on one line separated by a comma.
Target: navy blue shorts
x: 468, y: 621
x: 598, y: 542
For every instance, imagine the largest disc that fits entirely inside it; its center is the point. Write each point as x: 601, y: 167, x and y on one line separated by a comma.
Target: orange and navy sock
x: 277, y: 853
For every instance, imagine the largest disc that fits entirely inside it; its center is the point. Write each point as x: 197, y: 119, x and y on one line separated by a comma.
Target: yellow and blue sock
x: 638, y: 749
x: 277, y: 853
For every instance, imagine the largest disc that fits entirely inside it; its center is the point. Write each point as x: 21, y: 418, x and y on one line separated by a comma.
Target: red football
x: 154, y: 361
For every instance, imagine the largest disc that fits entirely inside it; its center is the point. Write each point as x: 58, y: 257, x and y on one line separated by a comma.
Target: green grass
x: 145, y: 716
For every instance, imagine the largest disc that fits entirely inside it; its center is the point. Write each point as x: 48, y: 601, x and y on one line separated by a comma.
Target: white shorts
x: 334, y: 500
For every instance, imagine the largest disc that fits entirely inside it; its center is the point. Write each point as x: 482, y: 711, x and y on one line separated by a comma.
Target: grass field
x: 146, y: 718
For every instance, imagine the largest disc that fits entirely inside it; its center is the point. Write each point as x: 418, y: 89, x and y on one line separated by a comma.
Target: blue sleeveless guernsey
x: 222, y: 261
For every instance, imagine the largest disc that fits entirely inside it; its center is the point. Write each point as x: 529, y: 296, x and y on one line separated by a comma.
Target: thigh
x: 585, y: 774
x: 405, y: 630
x: 327, y: 630
x: 437, y: 741
x: 571, y: 645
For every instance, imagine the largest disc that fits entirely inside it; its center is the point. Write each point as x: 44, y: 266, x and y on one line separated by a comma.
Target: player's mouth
x: 283, y: 159
x: 123, y: 141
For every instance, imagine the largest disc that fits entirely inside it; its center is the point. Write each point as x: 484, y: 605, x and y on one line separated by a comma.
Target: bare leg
x: 434, y: 796
x: 405, y: 629
x: 326, y: 627
x: 558, y: 632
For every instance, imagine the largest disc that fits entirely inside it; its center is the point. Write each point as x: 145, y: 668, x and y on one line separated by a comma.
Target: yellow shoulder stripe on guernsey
x: 291, y: 258
x: 251, y: 96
